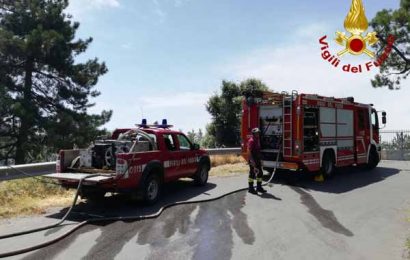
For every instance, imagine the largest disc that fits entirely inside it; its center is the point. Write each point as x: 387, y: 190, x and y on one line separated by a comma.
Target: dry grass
x: 217, y: 160
x: 29, y: 196
x: 228, y: 170
x: 228, y: 165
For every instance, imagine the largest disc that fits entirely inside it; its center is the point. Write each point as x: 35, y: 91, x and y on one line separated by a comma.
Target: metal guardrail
x: 34, y: 169
x: 223, y: 151
x: 395, y: 144
x: 37, y: 169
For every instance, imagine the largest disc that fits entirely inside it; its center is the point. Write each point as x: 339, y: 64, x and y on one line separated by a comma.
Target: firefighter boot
x: 251, y: 189
x: 259, y: 188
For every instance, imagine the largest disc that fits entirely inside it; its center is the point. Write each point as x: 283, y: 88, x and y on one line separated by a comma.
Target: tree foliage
x: 400, y: 141
x: 195, y: 137
x: 225, y: 109
x: 397, y: 67
x: 209, y: 138
x: 44, y: 93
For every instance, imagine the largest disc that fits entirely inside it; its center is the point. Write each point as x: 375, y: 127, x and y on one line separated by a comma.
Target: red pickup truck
x: 138, y: 160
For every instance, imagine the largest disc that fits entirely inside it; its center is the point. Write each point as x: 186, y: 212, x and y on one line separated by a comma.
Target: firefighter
x: 254, y: 160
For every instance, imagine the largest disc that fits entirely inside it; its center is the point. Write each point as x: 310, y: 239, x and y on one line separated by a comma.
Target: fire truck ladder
x: 287, y: 145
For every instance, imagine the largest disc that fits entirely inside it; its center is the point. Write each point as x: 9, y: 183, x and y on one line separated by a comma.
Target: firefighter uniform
x: 255, y: 166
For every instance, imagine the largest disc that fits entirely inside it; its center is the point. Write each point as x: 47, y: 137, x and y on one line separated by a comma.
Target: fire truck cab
x: 311, y: 132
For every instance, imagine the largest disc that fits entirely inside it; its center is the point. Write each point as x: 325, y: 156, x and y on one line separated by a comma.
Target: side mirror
x: 250, y: 101
x: 195, y: 147
x: 384, y: 120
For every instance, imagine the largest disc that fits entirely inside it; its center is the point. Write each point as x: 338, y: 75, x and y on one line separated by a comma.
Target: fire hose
x: 269, y: 182
x: 106, y: 219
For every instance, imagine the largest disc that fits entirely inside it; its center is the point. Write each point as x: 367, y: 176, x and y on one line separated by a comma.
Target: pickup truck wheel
x: 201, y: 177
x: 93, y: 196
x: 152, y: 189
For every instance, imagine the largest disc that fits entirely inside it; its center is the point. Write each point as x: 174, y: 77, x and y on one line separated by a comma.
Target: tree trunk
x: 26, y: 117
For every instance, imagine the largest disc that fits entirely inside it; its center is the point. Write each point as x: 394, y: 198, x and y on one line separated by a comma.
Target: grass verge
x: 227, y: 165
x: 30, y: 196
x: 218, y: 160
x: 228, y: 170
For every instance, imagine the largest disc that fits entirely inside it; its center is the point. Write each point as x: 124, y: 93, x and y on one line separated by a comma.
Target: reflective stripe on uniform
x: 259, y: 179
x: 250, y: 180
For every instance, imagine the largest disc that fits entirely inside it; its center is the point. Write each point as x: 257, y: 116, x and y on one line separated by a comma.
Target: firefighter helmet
x: 255, y: 130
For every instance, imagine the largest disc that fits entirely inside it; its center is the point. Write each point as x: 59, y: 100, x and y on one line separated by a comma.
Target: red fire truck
x: 137, y: 160
x: 311, y: 132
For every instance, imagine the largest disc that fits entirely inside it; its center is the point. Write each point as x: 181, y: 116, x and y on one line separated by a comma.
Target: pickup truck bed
x: 72, y: 176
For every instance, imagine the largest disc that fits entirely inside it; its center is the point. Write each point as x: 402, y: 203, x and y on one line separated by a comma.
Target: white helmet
x: 256, y: 130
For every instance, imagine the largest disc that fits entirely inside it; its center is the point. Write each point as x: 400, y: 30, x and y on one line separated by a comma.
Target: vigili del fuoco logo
x: 356, y: 42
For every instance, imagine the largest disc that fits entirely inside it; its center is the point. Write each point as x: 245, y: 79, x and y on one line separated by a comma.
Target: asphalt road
x: 356, y: 215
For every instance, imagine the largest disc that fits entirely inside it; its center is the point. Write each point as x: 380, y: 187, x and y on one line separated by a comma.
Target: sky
x: 167, y: 57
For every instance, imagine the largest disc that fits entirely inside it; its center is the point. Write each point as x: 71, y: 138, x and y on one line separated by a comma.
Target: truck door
x: 186, y: 155
x: 362, y: 137
x: 171, y: 159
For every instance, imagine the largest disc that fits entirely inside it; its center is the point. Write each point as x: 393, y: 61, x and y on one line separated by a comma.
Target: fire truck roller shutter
x: 328, y: 131
x: 345, y: 131
x: 328, y: 122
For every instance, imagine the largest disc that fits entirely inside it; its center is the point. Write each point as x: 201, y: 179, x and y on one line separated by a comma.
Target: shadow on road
x: 269, y: 196
x: 123, y: 205
x: 346, y: 179
x: 326, y: 217
x: 195, y: 228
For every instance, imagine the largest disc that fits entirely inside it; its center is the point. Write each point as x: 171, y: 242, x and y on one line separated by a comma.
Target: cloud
x: 184, y: 110
x: 158, y: 10
x: 299, y: 66
x: 310, y: 31
x: 184, y: 99
x: 159, y: 7
x: 126, y: 46
x: 79, y: 7
x: 104, y: 3
x: 161, y: 13
x: 178, y: 3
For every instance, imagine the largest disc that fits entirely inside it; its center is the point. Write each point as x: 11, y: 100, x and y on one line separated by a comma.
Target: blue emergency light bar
x: 163, y: 125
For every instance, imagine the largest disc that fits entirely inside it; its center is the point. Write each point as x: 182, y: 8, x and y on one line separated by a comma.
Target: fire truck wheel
x: 328, y: 164
x: 201, y: 177
x: 152, y: 189
x: 373, y: 159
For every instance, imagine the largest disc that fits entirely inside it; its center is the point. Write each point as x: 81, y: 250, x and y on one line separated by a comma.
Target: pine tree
x: 40, y: 79
x: 397, y: 67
